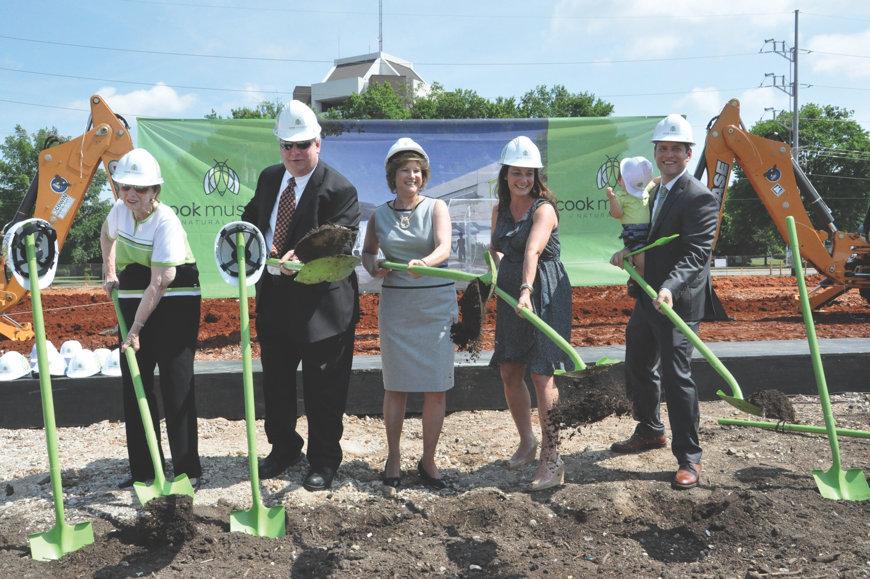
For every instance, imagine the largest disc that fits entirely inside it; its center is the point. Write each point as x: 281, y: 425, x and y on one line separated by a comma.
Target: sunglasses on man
x: 137, y: 189
x: 301, y: 145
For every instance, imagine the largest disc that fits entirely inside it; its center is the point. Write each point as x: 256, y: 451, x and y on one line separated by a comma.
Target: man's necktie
x: 660, y: 201
x: 286, y: 207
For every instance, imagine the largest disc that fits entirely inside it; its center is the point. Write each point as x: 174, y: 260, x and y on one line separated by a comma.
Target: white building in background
x: 354, y: 74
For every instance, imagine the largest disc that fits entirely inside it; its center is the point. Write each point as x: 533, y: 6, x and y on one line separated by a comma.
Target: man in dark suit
x: 657, y: 356
x: 313, y: 324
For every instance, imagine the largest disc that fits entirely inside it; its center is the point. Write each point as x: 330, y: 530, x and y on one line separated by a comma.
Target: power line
x: 455, y: 14
x: 838, y: 54
x: 320, y: 61
x: 839, y: 177
x: 142, y: 83
x: 837, y: 16
x: 812, y: 84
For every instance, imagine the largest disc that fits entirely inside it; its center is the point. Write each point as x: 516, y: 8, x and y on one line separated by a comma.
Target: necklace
x: 404, y: 215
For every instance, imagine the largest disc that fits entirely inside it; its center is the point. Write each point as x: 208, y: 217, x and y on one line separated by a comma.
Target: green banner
x: 210, y: 168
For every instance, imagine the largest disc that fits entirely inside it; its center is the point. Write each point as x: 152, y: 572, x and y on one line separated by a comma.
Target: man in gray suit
x: 657, y: 356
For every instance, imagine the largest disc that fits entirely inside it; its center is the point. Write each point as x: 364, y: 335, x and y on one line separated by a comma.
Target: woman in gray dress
x: 525, y: 244
x: 415, y: 313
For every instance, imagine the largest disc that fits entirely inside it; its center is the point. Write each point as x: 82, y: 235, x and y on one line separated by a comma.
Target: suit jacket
x: 308, y: 313
x: 683, y: 265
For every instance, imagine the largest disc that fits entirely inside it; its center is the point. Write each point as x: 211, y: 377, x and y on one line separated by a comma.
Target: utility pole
x: 381, y: 26
x: 778, y: 81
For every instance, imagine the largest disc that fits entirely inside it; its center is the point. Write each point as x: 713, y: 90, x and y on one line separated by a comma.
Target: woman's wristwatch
x: 528, y: 287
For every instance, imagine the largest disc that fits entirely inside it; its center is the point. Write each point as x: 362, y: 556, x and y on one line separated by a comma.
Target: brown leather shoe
x: 687, y: 476
x: 636, y: 443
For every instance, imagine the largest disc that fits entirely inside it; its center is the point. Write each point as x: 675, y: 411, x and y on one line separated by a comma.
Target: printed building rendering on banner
x: 211, y: 167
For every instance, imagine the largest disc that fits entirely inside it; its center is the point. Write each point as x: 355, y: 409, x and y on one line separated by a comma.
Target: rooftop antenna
x: 380, y: 25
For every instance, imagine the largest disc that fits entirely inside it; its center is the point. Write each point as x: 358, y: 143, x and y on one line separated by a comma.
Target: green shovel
x: 145, y: 492
x: 736, y: 399
x: 836, y: 483
x: 323, y: 269
x: 62, y: 538
x: 258, y: 520
x: 489, y: 278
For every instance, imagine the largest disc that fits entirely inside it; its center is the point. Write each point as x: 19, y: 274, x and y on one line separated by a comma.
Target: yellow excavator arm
x: 783, y: 189
x: 64, y: 174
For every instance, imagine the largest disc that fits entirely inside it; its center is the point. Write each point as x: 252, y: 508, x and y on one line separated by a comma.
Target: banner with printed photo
x: 210, y: 168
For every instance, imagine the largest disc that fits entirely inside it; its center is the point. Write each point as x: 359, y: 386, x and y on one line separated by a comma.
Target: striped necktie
x: 286, y: 208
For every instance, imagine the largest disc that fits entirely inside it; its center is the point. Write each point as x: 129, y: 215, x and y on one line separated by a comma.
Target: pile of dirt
x: 591, y: 395
x: 774, y: 404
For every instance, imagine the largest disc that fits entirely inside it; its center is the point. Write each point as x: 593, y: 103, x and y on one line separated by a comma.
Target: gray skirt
x: 416, y: 349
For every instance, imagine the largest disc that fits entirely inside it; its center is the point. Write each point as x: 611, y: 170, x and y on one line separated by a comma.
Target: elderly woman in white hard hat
x: 525, y: 243
x: 415, y: 312
x: 148, y: 260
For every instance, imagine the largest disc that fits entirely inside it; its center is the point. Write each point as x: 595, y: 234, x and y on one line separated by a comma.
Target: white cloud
x: 158, y: 101
x: 700, y: 105
x: 653, y: 46
x: 834, y: 64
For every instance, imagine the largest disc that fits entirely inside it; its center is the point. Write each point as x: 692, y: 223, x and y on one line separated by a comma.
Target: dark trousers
x: 326, y: 366
x: 165, y: 343
x: 658, y: 357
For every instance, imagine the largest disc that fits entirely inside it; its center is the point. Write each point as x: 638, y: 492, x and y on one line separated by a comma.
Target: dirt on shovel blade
x: 168, y: 520
x: 591, y: 396
x: 466, y: 333
x: 324, y: 241
x: 774, y: 404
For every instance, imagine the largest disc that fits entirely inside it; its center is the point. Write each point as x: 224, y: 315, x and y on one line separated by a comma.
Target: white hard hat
x: 56, y: 363
x: 69, y: 348
x: 296, y: 122
x: 521, y: 152
x: 112, y: 366
x: 405, y: 144
x: 83, y: 364
x: 636, y: 173
x: 673, y: 128
x: 255, y: 253
x: 15, y: 252
x: 138, y: 168
x: 13, y: 365
x: 102, y: 355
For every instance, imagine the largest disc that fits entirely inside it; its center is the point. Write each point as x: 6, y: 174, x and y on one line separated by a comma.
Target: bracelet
x: 528, y: 287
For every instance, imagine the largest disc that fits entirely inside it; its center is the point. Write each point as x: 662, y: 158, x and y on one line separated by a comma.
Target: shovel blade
x: 327, y: 269
x: 842, y: 485
x: 180, y: 485
x: 740, y: 404
x: 259, y: 521
x: 60, y: 540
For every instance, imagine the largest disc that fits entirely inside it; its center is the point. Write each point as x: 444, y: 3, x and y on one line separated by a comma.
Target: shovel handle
x: 291, y: 265
x: 684, y: 328
x: 141, y: 401
x: 441, y: 272
x: 656, y: 243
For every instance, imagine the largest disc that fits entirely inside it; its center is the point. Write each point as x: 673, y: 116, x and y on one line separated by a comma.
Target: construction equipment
x: 784, y: 189
x: 65, y: 172
x: 63, y: 538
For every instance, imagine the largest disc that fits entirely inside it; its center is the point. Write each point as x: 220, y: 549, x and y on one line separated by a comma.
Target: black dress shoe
x: 126, y: 483
x: 639, y: 443
x: 318, y: 478
x: 430, y: 481
x: 277, y: 462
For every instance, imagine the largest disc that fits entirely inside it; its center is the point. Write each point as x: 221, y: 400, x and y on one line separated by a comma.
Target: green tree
x: 264, y: 110
x: 834, y: 154
x: 557, y: 101
x: 19, y: 155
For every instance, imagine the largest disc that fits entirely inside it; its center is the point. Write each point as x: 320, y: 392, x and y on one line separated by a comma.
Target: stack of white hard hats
x: 56, y: 363
x: 112, y: 365
x: 68, y: 349
x: 13, y: 365
x: 102, y: 356
x: 84, y: 363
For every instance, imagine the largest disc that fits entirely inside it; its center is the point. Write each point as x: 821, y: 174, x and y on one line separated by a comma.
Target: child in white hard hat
x: 630, y: 203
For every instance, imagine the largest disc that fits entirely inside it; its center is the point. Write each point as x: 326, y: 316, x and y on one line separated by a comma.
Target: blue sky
x: 646, y: 57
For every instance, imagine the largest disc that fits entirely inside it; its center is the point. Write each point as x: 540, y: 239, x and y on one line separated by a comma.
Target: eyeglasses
x: 301, y: 145
x: 134, y: 188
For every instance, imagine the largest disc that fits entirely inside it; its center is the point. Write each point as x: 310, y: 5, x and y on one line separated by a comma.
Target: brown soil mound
x: 760, y: 308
